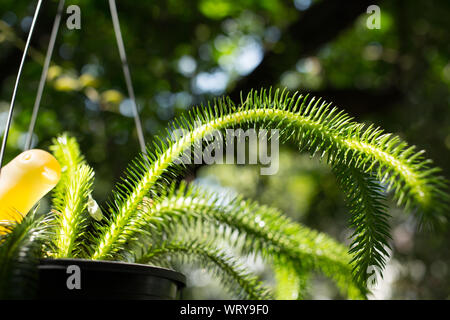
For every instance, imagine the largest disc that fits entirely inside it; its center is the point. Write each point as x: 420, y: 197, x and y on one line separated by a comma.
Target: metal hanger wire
x: 126, y: 73
x: 50, y: 49
x: 16, y: 85
x: 44, y: 73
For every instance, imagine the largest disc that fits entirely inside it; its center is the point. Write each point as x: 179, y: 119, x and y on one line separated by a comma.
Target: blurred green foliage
x: 183, y: 53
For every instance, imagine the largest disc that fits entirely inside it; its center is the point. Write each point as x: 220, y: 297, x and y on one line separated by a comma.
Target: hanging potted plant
x: 153, y: 219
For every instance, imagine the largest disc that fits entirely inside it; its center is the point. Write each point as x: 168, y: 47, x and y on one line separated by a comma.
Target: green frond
x: 313, y: 125
x: 71, y: 217
x: 290, y: 284
x: 67, y: 151
x: 70, y: 198
x: 20, y: 250
x: 251, y: 229
x: 149, y: 210
x: 369, y: 219
x: 223, y: 267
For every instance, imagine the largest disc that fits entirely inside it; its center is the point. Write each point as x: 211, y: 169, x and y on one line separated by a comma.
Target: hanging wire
x: 19, y: 73
x: 126, y: 72
x: 44, y: 73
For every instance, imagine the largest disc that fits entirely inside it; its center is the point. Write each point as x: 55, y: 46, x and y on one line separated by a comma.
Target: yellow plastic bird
x: 24, y: 181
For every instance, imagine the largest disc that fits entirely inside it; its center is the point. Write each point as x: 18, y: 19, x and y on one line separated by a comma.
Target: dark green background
x: 397, y: 77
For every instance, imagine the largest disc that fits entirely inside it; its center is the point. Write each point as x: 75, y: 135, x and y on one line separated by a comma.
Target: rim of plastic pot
x: 115, y: 266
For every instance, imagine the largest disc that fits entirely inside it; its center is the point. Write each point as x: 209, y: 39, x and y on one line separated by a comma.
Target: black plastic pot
x: 86, y: 279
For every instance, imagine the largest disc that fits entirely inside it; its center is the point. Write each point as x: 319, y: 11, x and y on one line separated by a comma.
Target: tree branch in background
x: 360, y: 101
x: 319, y: 25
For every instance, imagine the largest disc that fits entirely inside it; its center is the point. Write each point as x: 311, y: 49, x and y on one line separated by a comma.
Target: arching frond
x: 313, y: 125
x: 290, y: 284
x: 218, y: 263
x: 251, y: 229
x: 369, y: 219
